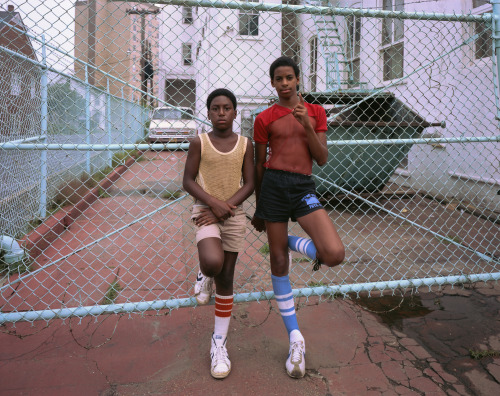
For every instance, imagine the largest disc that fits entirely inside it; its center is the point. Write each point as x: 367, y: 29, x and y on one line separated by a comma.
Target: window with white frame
x: 15, y: 84
x: 187, y: 54
x: 353, y: 48
x: 249, y: 21
x: 393, y: 42
x: 246, y: 123
x: 187, y: 15
x: 483, y: 44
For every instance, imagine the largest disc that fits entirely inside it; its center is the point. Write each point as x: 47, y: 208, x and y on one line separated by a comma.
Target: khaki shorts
x: 231, y: 231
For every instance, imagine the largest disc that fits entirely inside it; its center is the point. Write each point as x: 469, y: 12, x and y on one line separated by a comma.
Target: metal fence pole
x: 123, y: 117
x: 108, y: 123
x: 87, y: 116
x: 496, y: 46
x: 43, y: 134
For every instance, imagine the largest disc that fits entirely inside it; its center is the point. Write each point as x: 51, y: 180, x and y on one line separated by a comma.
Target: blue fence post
x: 43, y: 136
x: 496, y: 49
x: 108, y: 122
x: 123, y: 118
x: 87, y: 116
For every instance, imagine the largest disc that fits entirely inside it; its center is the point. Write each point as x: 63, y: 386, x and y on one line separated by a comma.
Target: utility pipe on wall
x: 13, y: 252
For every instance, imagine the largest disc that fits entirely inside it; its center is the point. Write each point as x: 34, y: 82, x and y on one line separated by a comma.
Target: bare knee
x: 211, y: 266
x: 332, y: 256
x: 279, y: 264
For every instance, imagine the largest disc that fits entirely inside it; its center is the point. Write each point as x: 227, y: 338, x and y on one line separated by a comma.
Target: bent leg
x: 211, y: 256
x: 323, y: 233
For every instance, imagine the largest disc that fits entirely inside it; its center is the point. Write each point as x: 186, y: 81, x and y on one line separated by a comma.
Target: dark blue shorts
x: 286, y: 195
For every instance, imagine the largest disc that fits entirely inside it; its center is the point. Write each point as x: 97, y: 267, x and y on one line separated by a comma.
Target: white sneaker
x: 221, y: 365
x: 203, y: 288
x: 296, y: 362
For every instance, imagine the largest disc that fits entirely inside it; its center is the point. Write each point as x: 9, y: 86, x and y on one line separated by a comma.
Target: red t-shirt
x: 287, y: 138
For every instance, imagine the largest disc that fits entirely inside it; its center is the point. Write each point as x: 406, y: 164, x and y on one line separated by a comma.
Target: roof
x: 11, y: 18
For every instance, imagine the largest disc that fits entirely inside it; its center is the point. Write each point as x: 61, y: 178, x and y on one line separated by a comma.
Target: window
x: 483, y: 44
x: 392, y: 42
x: 15, y: 84
x: 187, y: 56
x: 249, y: 21
x: 187, y: 15
x: 313, y: 58
x: 246, y: 123
x: 353, y: 48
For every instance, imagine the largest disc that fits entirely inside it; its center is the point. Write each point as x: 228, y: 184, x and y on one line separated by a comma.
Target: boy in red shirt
x: 294, y: 132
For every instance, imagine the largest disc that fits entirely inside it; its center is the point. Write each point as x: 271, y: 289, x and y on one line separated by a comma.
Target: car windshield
x: 172, y: 114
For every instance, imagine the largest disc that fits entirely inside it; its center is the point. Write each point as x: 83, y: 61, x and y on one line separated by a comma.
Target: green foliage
x: 264, y: 250
x: 453, y: 238
x: 480, y: 354
x: 112, y: 293
x: 171, y: 195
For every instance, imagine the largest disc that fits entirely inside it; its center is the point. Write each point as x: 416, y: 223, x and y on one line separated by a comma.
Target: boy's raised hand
x: 300, y: 112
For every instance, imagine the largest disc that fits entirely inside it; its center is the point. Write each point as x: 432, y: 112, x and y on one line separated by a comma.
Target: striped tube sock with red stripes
x: 223, y: 308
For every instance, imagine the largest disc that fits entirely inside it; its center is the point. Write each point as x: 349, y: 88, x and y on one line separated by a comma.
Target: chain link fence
x: 412, y: 182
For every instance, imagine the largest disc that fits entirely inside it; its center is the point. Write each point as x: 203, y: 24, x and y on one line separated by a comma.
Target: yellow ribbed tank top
x: 220, y: 174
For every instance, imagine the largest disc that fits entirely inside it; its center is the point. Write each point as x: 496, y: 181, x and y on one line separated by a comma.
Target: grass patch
x: 302, y: 260
x: 316, y: 284
x: 264, y: 250
x: 102, y: 193
x: 171, y: 195
x: 112, y: 293
x: 480, y: 354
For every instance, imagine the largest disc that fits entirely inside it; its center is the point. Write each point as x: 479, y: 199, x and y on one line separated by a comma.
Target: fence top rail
x: 312, y: 9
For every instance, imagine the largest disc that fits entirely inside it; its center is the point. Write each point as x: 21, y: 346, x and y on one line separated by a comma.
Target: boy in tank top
x: 219, y: 175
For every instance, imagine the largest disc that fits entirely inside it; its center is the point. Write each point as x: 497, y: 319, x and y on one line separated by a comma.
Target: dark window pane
x: 483, y: 45
x: 479, y: 3
x: 393, y: 62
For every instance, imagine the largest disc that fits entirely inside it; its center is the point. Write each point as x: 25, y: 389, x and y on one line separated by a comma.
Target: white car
x: 171, y: 125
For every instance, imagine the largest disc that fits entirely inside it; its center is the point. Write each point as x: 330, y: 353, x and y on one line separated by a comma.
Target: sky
x: 54, y: 18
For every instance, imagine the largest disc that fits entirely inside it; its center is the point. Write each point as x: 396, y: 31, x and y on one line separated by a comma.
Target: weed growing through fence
x: 264, y: 250
x: 316, y: 284
x: 112, y: 293
x: 171, y: 195
x: 102, y: 193
x: 453, y: 238
x: 480, y: 354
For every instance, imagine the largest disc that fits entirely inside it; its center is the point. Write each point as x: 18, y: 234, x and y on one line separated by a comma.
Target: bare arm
x: 222, y: 210
x: 260, y: 159
x: 248, y: 180
x: 316, y: 141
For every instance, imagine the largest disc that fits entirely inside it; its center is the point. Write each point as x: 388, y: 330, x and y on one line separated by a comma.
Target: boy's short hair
x: 221, y: 92
x: 284, y: 61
